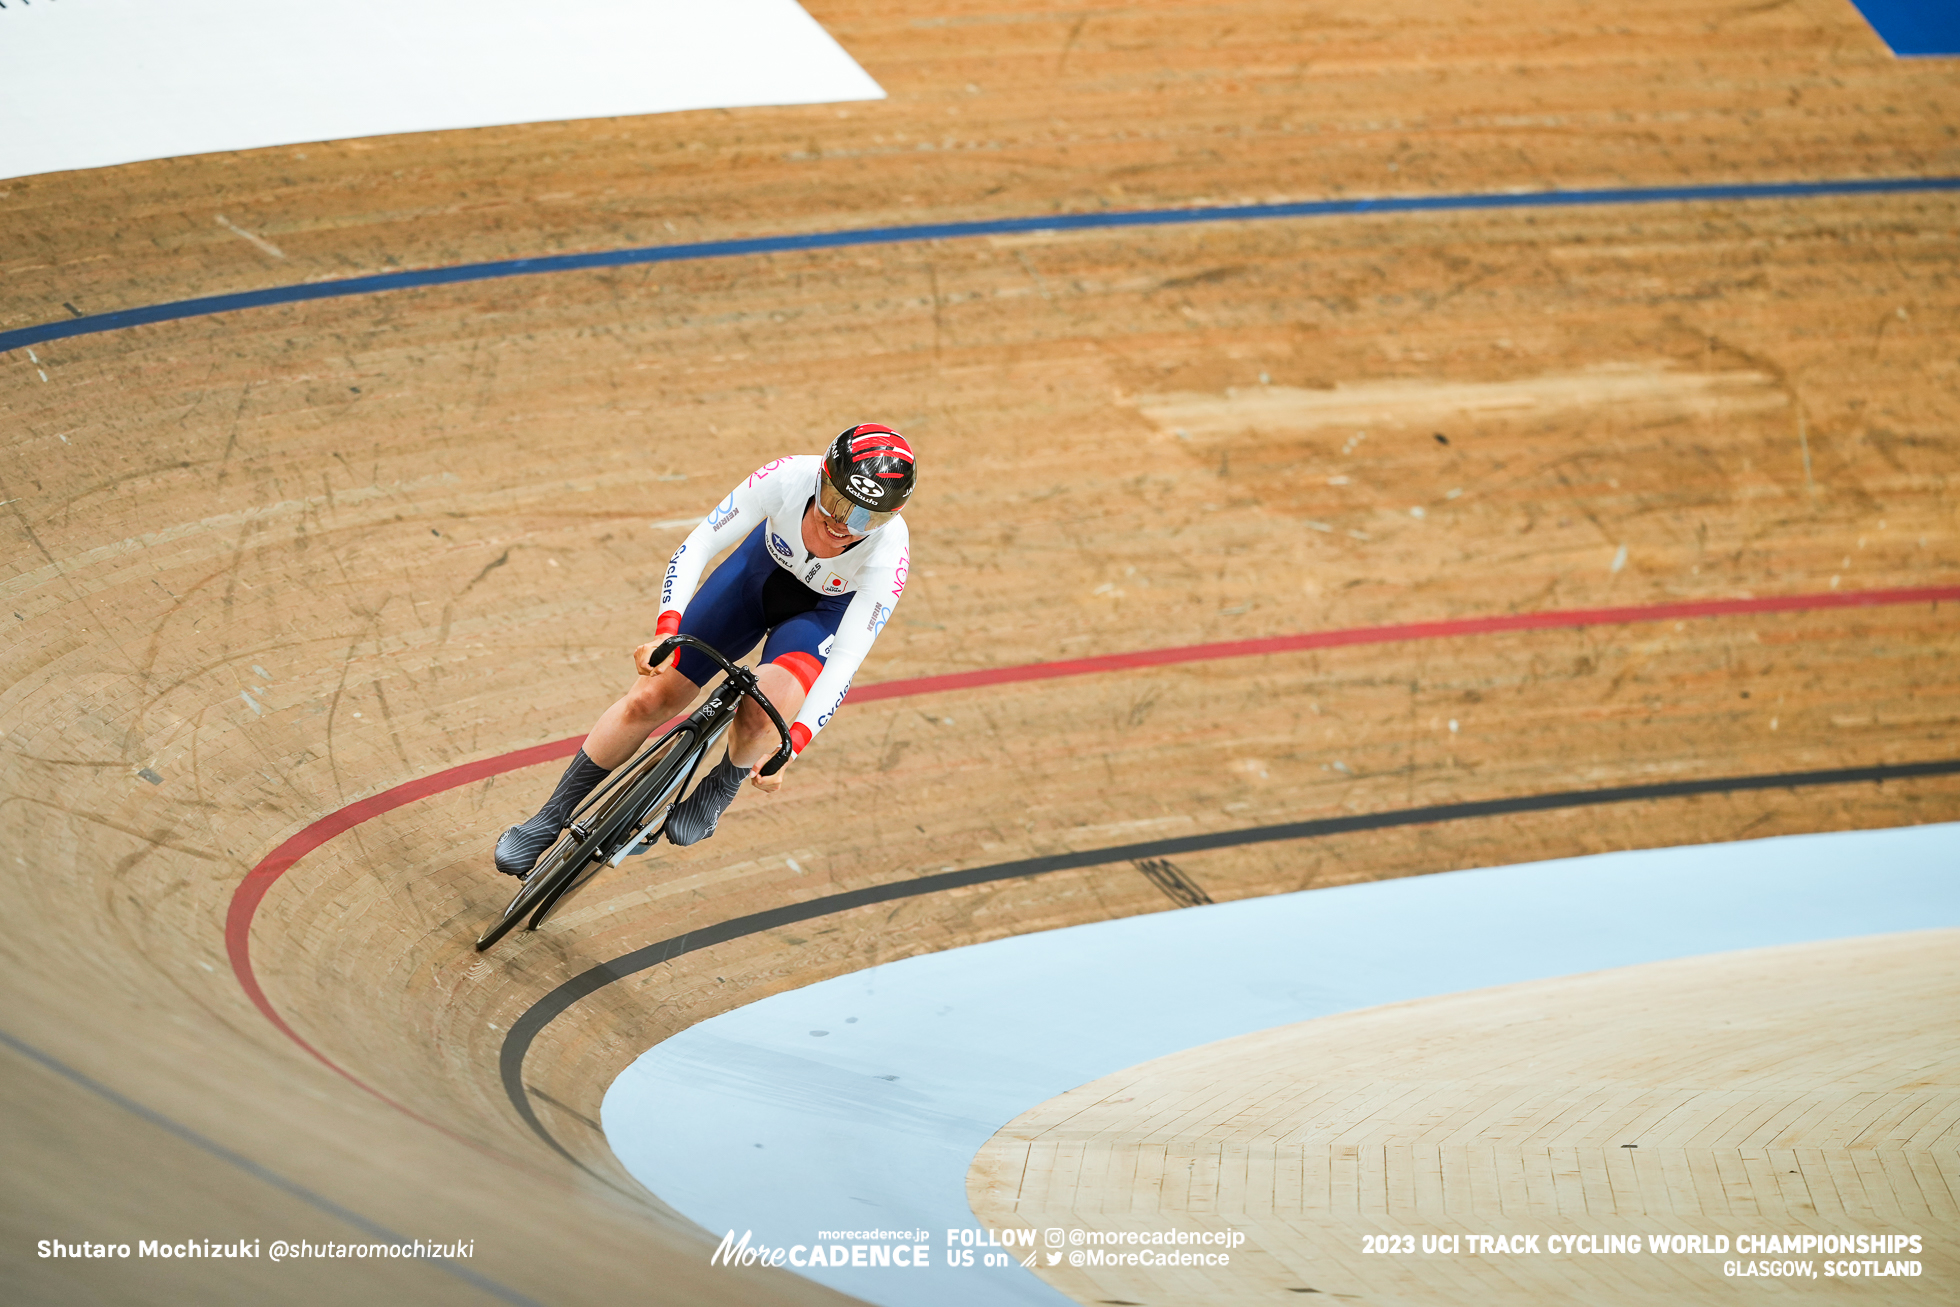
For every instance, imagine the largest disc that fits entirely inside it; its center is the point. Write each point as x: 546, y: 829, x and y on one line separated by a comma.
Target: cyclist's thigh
x: 727, y: 611
x: 801, y: 644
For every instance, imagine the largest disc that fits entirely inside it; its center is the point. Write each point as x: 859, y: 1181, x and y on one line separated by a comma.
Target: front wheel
x: 547, y: 880
x: 610, y: 815
x: 652, y: 791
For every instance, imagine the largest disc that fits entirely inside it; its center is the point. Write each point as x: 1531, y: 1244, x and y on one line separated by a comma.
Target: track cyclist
x: 821, y: 561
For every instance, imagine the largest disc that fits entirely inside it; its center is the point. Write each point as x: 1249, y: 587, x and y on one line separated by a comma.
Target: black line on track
x: 525, y: 1030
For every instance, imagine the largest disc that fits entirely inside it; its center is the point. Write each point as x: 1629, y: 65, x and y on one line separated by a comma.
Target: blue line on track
x: 379, y: 1233
x: 83, y: 326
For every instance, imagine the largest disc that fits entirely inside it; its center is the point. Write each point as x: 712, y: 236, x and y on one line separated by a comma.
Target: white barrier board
x: 89, y: 83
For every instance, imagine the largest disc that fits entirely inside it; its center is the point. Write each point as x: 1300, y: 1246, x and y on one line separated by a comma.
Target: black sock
x: 579, y: 780
x: 726, y: 774
x: 693, y: 818
x: 519, y: 847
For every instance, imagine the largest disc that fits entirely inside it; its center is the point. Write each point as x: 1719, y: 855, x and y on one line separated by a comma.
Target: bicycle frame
x: 631, y: 807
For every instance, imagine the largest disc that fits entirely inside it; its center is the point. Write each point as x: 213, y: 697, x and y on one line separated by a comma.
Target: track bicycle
x: 628, y: 811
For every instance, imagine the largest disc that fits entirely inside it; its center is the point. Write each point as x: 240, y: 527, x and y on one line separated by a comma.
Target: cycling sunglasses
x: 855, y: 518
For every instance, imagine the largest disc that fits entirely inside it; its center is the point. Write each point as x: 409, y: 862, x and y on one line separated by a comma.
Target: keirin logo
x: 725, y: 513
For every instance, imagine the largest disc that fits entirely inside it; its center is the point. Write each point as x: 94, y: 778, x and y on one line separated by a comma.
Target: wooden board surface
x: 285, y: 559
x: 1806, y: 1090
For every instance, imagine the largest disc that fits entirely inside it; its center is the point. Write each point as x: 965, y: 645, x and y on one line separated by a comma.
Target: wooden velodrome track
x: 267, y: 564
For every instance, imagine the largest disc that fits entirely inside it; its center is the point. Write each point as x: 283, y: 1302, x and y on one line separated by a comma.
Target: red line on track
x: 252, y: 890
x: 1272, y: 644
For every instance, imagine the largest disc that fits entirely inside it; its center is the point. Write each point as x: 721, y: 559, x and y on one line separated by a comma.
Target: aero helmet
x: 869, y: 467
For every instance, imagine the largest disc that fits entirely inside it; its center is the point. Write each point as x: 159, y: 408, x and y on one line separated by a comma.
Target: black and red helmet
x: 872, y: 466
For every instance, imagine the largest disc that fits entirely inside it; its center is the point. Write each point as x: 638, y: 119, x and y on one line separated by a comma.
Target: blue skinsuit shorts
x: 748, y: 596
